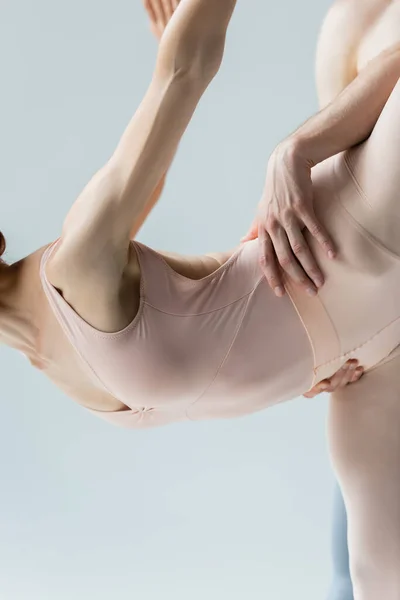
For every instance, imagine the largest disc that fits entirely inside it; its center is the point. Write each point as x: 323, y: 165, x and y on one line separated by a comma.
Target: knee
x: 374, y: 579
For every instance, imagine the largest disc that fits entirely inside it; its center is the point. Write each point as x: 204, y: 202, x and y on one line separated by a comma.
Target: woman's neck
x: 18, y: 301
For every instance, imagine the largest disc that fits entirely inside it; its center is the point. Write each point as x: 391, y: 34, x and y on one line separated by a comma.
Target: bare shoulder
x: 383, y: 34
x: 337, y: 62
x: 35, y: 330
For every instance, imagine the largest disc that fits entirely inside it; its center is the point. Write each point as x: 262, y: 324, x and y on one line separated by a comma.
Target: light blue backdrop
x: 219, y: 510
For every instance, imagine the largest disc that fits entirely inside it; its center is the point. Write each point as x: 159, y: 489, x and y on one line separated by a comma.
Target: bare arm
x: 114, y: 201
x: 286, y: 208
x: 160, y: 14
x: 150, y: 204
x: 351, y: 116
x: 344, y: 27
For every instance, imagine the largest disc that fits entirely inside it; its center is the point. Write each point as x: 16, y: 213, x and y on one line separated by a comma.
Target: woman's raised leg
x: 364, y: 438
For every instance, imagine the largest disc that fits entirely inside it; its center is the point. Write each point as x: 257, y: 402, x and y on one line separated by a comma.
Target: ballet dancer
x: 143, y: 338
x: 352, y: 34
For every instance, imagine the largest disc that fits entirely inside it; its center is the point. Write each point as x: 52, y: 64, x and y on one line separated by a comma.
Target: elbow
x: 196, y: 59
x: 204, y: 63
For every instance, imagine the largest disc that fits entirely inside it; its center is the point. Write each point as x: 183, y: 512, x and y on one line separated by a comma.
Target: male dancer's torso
x: 353, y: 33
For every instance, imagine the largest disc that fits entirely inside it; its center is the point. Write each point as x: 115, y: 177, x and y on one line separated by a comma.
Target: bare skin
x: 26, y: 320
x: 351, y: 371
x: 188, y: 59
x: 365, y: 29
x: 159, y: 12
x: 354, y: 34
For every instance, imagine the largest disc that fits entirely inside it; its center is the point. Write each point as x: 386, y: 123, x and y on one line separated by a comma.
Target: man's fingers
x: 303, y: 253
x: 322, y: 386
x: 252, y: 234
x: 343, y: 376
x: 269, y: 263
x: 319, y: 232
x: 359, y: 371
x: 249, y: 236
x: 350, y: 372
x: 287, y: 259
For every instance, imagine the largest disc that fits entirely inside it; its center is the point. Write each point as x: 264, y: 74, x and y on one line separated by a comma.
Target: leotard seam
x: 349, y: 167
x: 165, y: 312
x: 369, y: 340
x: 375, y: 241
x: 225, y: 358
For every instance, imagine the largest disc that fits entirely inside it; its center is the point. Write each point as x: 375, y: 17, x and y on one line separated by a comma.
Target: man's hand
x: 285, y: 210
x: 160, y: 12
x: 349, y: 373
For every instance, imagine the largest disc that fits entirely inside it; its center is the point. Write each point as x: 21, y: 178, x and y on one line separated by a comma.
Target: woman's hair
x: 2, y: 246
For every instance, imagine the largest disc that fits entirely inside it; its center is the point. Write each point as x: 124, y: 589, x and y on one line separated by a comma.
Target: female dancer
x: 50, y: 314
x: 142, y: 338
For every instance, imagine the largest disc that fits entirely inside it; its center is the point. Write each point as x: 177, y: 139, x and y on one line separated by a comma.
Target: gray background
x: 232, y: 509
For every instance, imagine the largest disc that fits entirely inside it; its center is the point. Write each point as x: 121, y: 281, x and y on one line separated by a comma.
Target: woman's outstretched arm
x: 160, y: 15
x: 189, y: 56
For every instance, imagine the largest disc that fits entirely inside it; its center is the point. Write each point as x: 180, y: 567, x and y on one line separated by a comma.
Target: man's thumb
x: 252, y: 234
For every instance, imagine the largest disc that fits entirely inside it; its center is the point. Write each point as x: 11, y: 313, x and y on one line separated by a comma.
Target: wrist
x: 296, y: 148
x: 307, y: 148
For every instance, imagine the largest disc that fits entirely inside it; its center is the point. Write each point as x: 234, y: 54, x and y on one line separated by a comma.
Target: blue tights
x: 341, y: 586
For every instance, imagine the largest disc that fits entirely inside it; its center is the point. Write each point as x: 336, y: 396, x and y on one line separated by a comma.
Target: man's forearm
x: 350, y: 118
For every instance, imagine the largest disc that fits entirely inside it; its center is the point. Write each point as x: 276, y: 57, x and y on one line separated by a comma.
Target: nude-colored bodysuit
x: 197, y: 348
x: 224, y: 345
